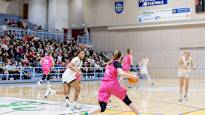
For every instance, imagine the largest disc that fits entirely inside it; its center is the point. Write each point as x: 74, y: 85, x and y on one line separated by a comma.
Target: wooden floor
x: 160, y: 99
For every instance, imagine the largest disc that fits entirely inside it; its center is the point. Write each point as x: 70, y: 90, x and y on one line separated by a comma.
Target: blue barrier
x: 32, y: 74
x: 8, y: 16
x: 84, y: 40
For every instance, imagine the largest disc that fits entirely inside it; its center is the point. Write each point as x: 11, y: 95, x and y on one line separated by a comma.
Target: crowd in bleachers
x: 16, y: 23
x: 21, y: 24
x: 28, y: 51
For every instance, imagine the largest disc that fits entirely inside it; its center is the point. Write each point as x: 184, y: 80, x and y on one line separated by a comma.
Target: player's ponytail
x: 116, y: 56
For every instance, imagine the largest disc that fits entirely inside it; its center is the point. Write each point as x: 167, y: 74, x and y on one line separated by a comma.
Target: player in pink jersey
x: 127, y: 61
x: 46, y: 62
x: 111, y: 86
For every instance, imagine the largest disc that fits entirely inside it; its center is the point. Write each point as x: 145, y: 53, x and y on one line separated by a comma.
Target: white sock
x: 181, y: 96
x: 48, y: 82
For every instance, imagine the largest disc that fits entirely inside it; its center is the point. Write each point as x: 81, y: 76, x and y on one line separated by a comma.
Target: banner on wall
x: 160, y: 15
x: 145, y: 3
x: 119, y: 7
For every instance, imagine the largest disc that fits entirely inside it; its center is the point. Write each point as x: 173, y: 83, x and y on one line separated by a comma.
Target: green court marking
x: 24, y: 106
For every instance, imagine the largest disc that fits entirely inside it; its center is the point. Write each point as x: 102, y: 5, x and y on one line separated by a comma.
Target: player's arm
x: 72, y: 66
x: 53, y: 63
x: 192, y: 64
x: 125, y: 74
x: 180, y: 64
x: 140, y: 63
x: 120, y: 71
x: 131, y: 58
x: 41, y: 61
x: 148, y: 61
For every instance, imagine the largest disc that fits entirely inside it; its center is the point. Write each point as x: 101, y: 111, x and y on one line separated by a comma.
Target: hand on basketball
x: 133, y: 79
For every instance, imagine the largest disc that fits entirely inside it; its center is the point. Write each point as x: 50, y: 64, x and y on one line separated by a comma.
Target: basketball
x: 132, y: 80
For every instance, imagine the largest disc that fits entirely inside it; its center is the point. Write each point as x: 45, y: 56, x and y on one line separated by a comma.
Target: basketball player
x: 111, y: 86
x: 71, y: 78
x: 46, y: 62
x: 143, y: 68
x: 184, y: 73
x: 127, y: 61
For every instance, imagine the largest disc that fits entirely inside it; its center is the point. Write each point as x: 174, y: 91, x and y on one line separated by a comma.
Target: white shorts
x: 184, y: 73
x: 144, y: 70
x: 68, y: 77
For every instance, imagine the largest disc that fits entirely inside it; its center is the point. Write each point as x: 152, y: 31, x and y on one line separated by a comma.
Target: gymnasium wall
x: 101, y: 12
x: 14, y: 7
x: 162, y: 44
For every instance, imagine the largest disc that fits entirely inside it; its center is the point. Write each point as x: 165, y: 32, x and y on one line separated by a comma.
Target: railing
x: 7, y: 16
x: 35, y: 73
x: 20, y: 33
x: 84, y: 40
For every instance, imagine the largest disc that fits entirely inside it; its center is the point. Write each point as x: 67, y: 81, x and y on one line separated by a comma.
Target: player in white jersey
x: 71, y: 78
x: 144, y: 69
x: 185, y: 67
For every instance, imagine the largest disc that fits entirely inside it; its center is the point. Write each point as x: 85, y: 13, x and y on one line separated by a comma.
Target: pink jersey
x: 110, y: 73
x: 47, y: 63
x: 126, y: 65
x: 110, y: 85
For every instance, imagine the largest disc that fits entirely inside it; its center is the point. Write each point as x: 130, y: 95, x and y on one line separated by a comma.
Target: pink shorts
x: 109, y: 88
x: 46, y: 70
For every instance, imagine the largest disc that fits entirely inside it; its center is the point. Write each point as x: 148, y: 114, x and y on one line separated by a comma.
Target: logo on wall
x: 119, y: 7
x: 145, y: 3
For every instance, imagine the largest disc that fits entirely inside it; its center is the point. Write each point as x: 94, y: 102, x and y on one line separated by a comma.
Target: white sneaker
x: 186, y: 98
x: 76, y: 106
x: 53, y: 92
x: 39, y: 83
x: 180, y: 99
x: 48, y: 92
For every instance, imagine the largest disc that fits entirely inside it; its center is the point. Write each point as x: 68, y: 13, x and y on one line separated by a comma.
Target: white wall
x: 51, y: 15
x: 37, y: 13
x: 14, y: 7
x: 162, y: 45
x: 76, y: 13
x: 101, y: 12
x: 58, y: 14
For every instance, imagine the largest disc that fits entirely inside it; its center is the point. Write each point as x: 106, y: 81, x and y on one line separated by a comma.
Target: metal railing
x: 84, y: 40
x: 20, y: 33
x: 35, y: 73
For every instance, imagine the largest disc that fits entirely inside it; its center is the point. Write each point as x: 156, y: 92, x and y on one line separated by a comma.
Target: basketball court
x: 160, y: 99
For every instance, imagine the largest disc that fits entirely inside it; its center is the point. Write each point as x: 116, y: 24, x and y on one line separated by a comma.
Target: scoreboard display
x: 200, y: 7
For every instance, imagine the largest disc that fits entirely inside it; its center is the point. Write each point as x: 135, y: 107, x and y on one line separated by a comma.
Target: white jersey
x: 70, y: 75
x: 185, y: 63
x: 144, y: 64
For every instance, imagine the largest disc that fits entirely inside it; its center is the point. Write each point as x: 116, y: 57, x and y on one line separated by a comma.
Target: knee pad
x: 103, y: 106
x: 127, y: 101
